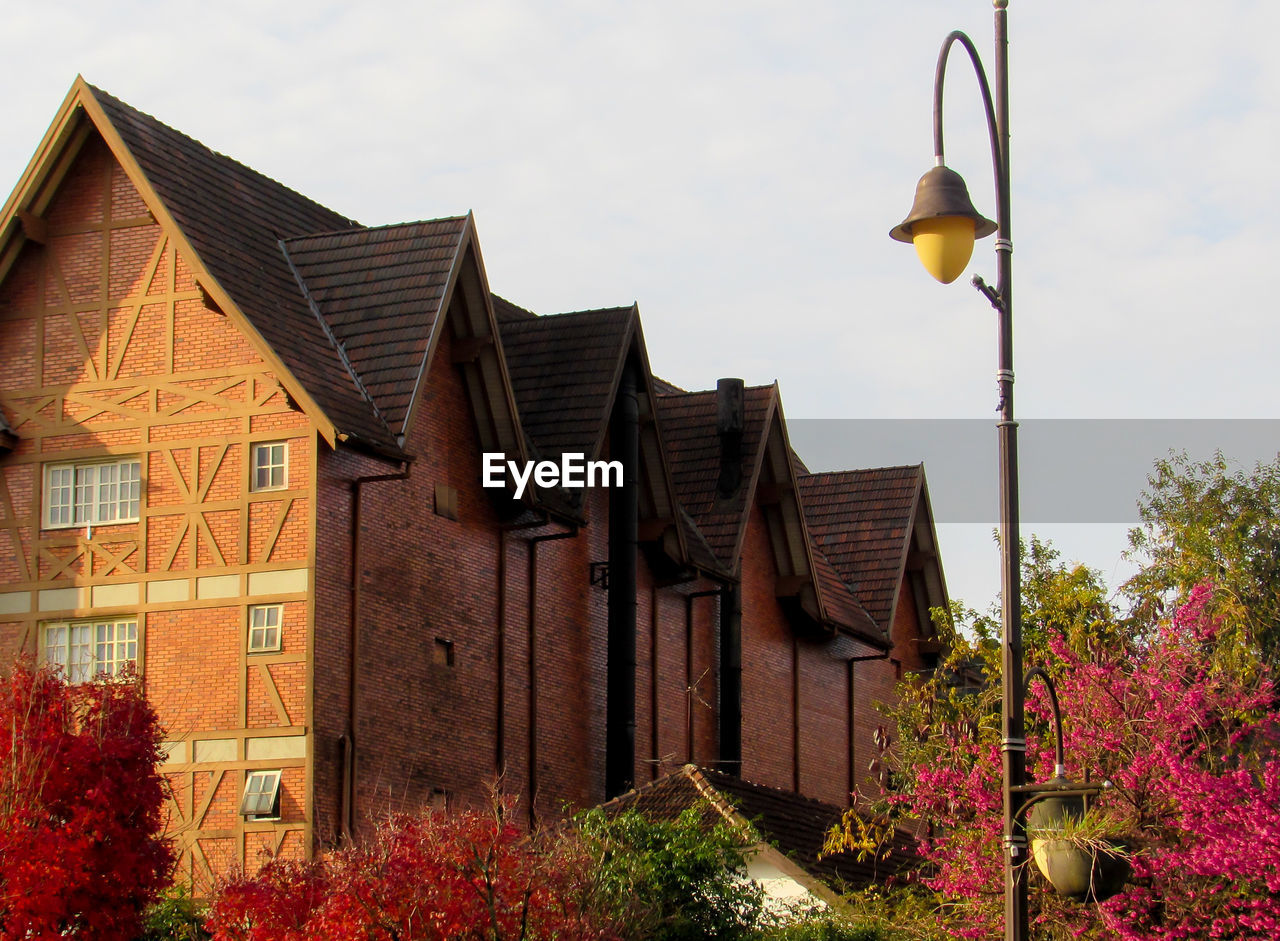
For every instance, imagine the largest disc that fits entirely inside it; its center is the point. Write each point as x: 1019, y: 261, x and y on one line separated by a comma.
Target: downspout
x: 620, y: 704
x: 500, y: 684
x: 731, y: 679
x: 347, y: 741
x: 654, y: 744
x: 852, y: 783
x: 532, y: 596
x: 730, y: 427
x: 690, y: 758
x: 795, y: 713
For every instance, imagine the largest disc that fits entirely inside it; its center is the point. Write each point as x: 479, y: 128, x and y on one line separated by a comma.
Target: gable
x: 108, y: 297
x: 227, y: 221
x: 379, y: 292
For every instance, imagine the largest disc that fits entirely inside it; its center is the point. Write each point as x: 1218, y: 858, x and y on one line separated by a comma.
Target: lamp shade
x: 943, y: 224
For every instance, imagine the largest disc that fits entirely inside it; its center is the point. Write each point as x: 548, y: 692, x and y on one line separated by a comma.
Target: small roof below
x: 796, y: 825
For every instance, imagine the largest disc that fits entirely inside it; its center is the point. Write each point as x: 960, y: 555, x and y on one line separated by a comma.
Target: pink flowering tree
x: 1185, y: 733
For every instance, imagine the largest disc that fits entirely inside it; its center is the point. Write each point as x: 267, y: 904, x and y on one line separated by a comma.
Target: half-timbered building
x: 242, y: 449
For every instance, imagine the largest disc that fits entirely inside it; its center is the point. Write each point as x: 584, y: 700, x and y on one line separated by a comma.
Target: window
x: 92, y: 494
x: 261, y: 796
x: 85, y: 649
x: 264, y: 626
x: 270, y: 466
x: 442, y: 653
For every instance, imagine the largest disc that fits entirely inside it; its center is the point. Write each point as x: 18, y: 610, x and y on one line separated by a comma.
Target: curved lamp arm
x: 997, y: 152
x: 1060, y: 768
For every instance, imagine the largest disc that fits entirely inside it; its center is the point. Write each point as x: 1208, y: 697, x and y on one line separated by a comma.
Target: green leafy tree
x: 1202, y: 522
x: 672, y: 880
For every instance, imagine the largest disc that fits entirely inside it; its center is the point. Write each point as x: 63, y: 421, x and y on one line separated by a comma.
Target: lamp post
x: 943, y: 226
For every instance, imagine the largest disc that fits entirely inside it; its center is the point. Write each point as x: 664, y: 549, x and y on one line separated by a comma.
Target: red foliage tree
x: 80, y: 807
x: 420, y: 878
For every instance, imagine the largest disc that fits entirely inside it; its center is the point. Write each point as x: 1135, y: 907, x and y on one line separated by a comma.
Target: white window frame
x: 266, y: 627
x: 261, y: 800
x: 89, y: 648
x: 92, y: 493
x: 270, y: 465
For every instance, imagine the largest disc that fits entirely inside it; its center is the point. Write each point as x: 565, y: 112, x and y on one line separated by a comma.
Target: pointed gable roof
x: 688, y: 422
x: 565, y: 371
x: 564, y: 368
x: 868, y: 522
x: 345, y: 315
x: 380, y: 291
x: 234, y: 219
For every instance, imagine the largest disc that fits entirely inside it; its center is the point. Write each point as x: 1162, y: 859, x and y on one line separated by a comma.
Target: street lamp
x: 943, y: 226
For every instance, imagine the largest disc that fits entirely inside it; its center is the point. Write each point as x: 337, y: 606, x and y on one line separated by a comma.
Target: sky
x: 734, y: 168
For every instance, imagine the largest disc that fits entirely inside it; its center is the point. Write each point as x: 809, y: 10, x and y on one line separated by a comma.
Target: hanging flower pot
x: 1078, y: 861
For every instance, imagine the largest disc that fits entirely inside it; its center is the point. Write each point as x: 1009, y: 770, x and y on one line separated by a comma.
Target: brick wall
x: 110, y: 352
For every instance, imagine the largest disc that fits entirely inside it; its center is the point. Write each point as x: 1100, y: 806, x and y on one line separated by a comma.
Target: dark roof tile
x: 234, y: 218
x: 861, y: 519
x: 380, y: 292
x: 796, y: 825
x: 563, y: 369
x: 688, y: 423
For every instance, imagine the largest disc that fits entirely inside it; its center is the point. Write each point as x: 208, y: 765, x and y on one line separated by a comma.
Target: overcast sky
x: 735, y: 168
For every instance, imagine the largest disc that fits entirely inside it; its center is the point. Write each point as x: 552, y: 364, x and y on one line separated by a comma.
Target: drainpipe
x: 347, y: 741
x: 500, y: 668
x: 654, y: 743
x: 795, y: 713
x: 852, y: 783
x: 532, y: 594
x: 620, y: 706
x: 731, y: 679
x: 690, y: 758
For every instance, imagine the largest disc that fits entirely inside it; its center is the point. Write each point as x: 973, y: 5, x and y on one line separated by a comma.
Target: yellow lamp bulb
x: 944, y: 244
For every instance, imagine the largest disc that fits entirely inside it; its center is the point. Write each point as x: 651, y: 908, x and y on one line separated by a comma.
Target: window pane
x: 260, y: 792
x: 269, y: 466
x: 80, y: 661
x: 108, y: 493
x: 264, y: 627
x: 55, y: 646
x: 86, y: 479
x: 59, y: 496
x: 130, y: 489
x: 116, y: 646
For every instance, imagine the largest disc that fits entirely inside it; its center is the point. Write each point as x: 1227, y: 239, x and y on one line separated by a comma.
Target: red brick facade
x: 471, y: 634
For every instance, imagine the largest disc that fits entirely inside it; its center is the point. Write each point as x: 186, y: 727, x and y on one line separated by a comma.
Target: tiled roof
x: 689, y: 432
x: 862, y: 519
x: 842, y: 605
x: 796, y: 825
x: 563, y: 368
x: 505, y: 311
x: 234, y: 218
x: 380, y: 292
